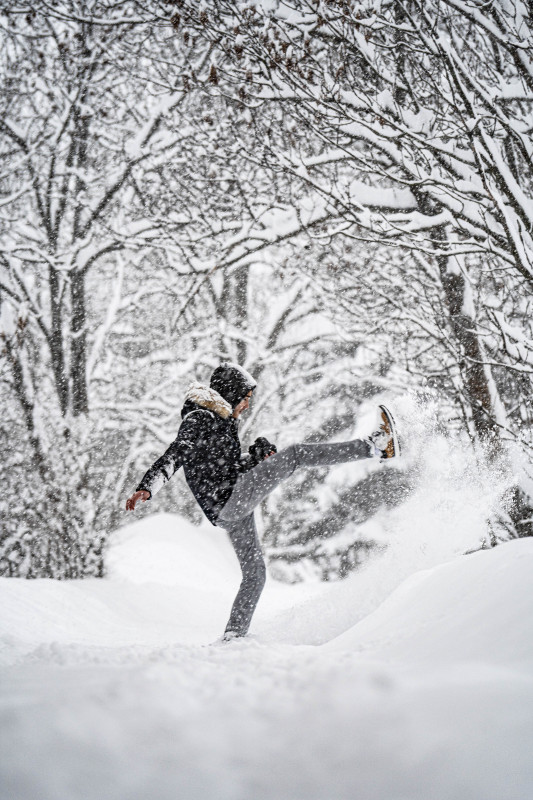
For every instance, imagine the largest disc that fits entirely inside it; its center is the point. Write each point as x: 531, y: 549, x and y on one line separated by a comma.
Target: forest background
x: 336, y: 195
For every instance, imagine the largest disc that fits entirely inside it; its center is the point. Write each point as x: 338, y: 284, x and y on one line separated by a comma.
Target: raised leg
x: 256, y: 484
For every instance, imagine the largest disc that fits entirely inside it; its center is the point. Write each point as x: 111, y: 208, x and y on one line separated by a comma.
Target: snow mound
x: 167, y: 581
x: 476, y: 608
x: 166, y: 549
x: 107, y: 693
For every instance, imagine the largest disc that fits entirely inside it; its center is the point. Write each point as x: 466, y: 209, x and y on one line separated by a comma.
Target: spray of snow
x: 455, y: 493
x: 456, y: 490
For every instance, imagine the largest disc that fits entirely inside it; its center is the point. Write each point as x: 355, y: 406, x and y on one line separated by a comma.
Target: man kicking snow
x: 228, y: 485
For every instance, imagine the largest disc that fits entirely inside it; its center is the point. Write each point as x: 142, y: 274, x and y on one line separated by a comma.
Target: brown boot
x: 385, y: 439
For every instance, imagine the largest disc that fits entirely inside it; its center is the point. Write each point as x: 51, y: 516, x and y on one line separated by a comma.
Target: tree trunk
x: 234, y: 308
x: 477, y: 384
x: 474, y: 371
x: 78, y: 354
x: 57, y: 352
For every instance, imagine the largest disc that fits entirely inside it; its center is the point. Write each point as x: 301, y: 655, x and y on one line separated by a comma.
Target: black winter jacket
x: 208, y: 448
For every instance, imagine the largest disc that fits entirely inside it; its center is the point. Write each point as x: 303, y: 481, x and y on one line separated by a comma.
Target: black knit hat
x: 232, y: 382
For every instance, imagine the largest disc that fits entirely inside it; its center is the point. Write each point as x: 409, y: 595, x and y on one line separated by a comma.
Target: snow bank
x: 168, y: 581
x: 106, y: 691
x: 166, y: 549
x: 477, y: 609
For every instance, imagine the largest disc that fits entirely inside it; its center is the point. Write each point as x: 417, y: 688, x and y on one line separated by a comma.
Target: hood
x: 206, y: 397
x: 232, y: 382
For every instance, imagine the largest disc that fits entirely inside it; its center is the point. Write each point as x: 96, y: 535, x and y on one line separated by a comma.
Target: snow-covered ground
x: 111, y: 688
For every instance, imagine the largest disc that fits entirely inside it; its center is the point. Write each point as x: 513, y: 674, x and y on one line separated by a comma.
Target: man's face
x: 242, y: 406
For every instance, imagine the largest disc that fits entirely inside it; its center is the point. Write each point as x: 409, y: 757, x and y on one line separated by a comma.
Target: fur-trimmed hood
x: 208, y: 398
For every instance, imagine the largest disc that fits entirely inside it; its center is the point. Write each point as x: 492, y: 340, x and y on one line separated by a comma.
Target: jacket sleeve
x: 174, y: 456
x: 246, y: 462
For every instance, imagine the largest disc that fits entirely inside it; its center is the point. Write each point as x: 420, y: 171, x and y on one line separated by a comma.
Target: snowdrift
x: 109, y: 689
x: 168, y: 582
x: 478, y: 608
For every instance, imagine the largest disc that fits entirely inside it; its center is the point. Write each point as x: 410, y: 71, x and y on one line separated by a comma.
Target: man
x: 229, y: 485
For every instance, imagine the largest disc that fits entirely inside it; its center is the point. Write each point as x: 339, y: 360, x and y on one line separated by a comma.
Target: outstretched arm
x: 166, y: 465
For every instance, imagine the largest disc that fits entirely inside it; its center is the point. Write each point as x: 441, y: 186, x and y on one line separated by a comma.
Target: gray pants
x: 237, y: 516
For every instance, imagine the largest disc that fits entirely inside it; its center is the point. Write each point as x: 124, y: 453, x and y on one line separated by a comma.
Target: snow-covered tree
x: 412, y: 122
x: 288, y: 185
x: 80, y: 120
x: 134, y: 258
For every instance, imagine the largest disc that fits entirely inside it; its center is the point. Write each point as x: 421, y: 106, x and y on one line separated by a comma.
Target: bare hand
x: 136, y: 496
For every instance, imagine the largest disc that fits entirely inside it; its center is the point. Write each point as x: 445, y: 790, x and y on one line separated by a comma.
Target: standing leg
x: 243, y: 535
